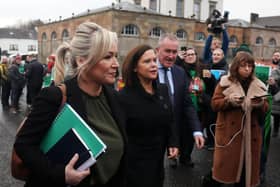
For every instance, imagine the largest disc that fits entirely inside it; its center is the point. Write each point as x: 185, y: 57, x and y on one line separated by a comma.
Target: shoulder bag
x: 18, y: 169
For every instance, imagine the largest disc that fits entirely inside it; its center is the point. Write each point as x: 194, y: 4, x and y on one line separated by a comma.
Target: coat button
x: 165, y: 106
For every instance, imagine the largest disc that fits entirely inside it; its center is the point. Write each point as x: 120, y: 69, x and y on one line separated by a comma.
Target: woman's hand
x: 173, y: 152
x: 235, y: 99
x: 257, y: 102
x: 271, y: 81
x: 73, y: 176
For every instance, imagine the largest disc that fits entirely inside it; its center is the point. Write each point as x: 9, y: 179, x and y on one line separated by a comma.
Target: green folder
x: 66, y: 119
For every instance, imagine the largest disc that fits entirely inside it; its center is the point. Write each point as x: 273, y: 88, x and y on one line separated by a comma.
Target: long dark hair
x: 130, y: 63
x: 244, y: 57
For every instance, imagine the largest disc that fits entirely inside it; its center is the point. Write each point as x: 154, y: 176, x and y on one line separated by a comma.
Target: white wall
x: 22, y: 45
x: 166, y: 5
x: 146, y: 3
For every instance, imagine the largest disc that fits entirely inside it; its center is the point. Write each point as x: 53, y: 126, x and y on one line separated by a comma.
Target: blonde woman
x: 93, y: 52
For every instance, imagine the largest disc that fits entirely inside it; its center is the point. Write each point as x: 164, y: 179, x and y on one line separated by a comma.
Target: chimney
x: 254, y: 18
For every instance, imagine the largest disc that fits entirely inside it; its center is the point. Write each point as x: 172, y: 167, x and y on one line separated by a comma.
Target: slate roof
x: 13, y: 33
x: 271, y: 21
x: 243, y: 23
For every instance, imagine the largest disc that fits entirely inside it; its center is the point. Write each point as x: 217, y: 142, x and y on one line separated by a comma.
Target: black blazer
x: 44, y: 111
x: 34, y: 74
x: 184, y: 111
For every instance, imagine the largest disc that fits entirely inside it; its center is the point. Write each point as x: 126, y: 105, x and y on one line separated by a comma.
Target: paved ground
x: 180, y: 177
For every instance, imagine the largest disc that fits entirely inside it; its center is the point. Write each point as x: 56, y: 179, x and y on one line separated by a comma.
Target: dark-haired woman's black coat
x: 149, y: 125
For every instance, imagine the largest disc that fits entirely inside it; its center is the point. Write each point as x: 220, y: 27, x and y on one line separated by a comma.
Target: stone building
x: 136, y: 24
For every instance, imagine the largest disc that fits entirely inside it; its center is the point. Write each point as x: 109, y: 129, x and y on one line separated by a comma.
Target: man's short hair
x: 170, y: 36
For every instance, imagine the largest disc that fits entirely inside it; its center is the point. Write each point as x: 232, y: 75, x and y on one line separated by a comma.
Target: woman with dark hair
x: 241, y: 105
x: 150, y: 127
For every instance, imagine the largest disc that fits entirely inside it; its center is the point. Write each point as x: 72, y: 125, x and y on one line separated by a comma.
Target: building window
x: 180, y: 8
x: 181, y: 34
x: 233, y: 39
x: 196, y: 9
x: 153, y: 4
x: 65, y: 35
x: 13, y: 47
x: 130, y: 30
x: 212, y: 7
x: 156, y: 32
x: 272, y: 42
x: 53, y: 41
x: 199, y: 36
x: 44, y: 37
x: 31, y: 48
x: 53, y: 36
x: 259, y: 41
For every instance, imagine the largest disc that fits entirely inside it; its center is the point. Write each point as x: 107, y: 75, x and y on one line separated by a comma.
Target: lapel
x: 74, y: 97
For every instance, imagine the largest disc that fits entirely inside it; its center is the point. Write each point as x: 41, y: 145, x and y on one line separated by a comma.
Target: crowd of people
x: 16, y: 74
x: 170, y: 100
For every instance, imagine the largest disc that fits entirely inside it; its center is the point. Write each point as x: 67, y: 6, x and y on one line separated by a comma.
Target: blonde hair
x: 90, y: 41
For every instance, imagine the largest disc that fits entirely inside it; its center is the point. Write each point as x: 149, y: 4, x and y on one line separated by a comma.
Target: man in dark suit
x: 185, y: 115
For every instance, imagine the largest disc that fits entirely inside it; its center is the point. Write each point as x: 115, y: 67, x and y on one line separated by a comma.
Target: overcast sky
x: 16, y: 11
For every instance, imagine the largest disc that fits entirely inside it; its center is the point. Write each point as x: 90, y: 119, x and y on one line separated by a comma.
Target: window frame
x: 130, y: 30
x: 203, y: 38
x: 185, y: 34
x: 156, y: 32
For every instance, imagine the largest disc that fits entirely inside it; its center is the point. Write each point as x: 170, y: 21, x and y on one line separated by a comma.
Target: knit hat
x: 243, y: 47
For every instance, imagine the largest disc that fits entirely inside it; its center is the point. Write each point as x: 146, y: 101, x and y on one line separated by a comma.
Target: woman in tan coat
x: 240, y: 101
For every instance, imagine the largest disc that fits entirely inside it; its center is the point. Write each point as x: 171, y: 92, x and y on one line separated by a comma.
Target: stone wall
x: 115, y: 20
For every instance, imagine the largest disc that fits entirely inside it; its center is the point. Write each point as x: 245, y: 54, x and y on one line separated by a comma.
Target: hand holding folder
x: 70, y: 134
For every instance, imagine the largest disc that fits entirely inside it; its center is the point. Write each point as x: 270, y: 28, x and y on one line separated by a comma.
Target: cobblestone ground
x: 179, y: 177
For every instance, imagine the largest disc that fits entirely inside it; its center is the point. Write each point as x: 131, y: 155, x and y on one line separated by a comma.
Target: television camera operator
x: 217, y: 30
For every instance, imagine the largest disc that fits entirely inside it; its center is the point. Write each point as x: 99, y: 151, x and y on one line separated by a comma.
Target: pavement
x: 180, y: 177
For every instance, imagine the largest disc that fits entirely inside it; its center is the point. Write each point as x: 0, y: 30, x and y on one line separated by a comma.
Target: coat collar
x: 256, y: 88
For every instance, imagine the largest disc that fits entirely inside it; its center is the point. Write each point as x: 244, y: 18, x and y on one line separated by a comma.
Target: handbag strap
x: 62, y: 88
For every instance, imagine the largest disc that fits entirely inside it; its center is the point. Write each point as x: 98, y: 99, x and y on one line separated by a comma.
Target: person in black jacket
x: 93, y: 50
x: 201, y: 87
x: 218, y: 64
x: 17, y: 84
x: 34, y: 74
x: 150, y: 127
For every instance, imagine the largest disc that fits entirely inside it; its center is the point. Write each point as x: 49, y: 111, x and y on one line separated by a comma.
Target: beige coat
x: 238, y: 133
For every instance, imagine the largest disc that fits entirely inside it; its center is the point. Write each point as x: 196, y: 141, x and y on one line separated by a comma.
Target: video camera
x: 216, y: 20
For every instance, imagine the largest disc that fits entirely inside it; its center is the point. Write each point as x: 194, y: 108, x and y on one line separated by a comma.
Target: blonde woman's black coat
x: 44, y: 111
